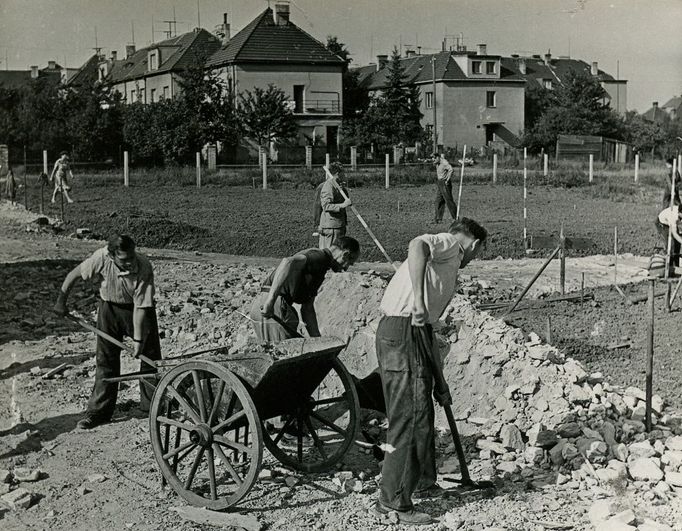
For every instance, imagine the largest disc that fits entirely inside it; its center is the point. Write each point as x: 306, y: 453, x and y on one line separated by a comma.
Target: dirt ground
x: 38, y: 416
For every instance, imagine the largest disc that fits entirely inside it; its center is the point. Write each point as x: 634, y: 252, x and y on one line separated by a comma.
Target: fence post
x: 126, y: 175
x: 637, y: 167
x: 396, y: 155
x: 525, y: 197
x: 265, y: 171
x: 546, y: 165
x: 45, y: 161
x: 198, y: 170
x: 309, y: 157
x: 388, y: 175
x: 354, y: 158
x: 494, y: 168
x: 327, y: 159
x: 211, y: 155
x: 591, y: 167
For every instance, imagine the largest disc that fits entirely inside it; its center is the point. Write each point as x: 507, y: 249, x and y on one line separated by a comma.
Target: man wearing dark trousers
x: 126, y: 308
x: 443, y: 188
x: 415, y: 298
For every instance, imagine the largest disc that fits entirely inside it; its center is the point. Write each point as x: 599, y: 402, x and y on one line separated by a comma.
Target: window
x: 153, y: 60
x: 152, y: 96
x: 429, y: 100
x: 490, y: 100
x: 166, y: 93
x: 489, y: 67
x: 429, y: 129
x: 476, y: 67
x: 132, y: 96
x: 299, y: 90
x: 547, y: 83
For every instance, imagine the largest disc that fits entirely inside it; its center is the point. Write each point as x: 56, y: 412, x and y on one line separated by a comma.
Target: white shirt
x: 669, y: 216
x: 440, y: 279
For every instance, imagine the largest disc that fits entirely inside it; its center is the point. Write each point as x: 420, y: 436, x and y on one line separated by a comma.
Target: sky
x: 637, y: 40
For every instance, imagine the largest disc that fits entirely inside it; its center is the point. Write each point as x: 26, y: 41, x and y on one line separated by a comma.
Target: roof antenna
x: 132, y: 30
x: 198, y: 15
x: 97, y: 48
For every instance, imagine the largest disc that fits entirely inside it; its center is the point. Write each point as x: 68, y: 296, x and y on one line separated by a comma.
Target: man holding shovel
x: 126, y: 308
x: 415, y: 298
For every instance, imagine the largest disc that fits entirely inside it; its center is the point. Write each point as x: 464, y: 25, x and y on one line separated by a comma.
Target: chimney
x: 51, y: 65
x: 225, y: 30
x: 655, y: 104
x: 594, y: 70
x: 34, y: 71
x: 515, y: 56
x: 548, y: 57
x: 114, y: 55
x: 130, y: 50
x: 409, y: 53
x: 281, y: 14
x: 522, y: 65
x: 382, y: 61
x: 482, y: 49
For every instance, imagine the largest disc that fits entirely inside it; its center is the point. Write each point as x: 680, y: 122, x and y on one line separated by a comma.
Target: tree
x: 355, y: 98
x: 266, y: 115
x: 576, y: 107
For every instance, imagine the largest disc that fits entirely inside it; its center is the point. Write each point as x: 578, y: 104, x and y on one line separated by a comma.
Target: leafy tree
x: 576, y: 107
x: 355, y: 97
x: 643, y: 134
x: 266, y: 115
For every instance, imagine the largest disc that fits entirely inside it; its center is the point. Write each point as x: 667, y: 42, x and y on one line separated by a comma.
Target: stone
x: 574, y: 371
x: 265, y: 475
x: 5, y: 476
x: 290, y: 481
x: 452, y: 522
x: 651, y: 525
x: 674, y: 478
x: 570, y: 452
x: 83, y: 490
x: 508, y: 467
x: 620, y: 451
x: 601, y: 510
x: 608, y: 432
x: 510, y: 435
x: 662, y: 489
x: 620, y: 468
x: 657, y: 404
x: 670, y: 458
x: 556, y: 452
x: 635, y: 392
x: 579, y: 395
x: 96, y: 478
x: 641, y: 449
x: 538, y: 435
x: 494, y: 447
x: 614, y: 526
x: 645, y: 469
x: 18, y: 499
x: 674, y: 443
x: 606, y: 475
x: 627, y: 517
x: 639, y: 412
x: 569, y: 430
x: 630, y: 401
x: 534, y: 455
x: 596, y: 452
x: 26, y: 475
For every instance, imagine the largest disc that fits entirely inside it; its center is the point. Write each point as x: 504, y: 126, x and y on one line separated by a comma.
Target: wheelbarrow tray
x: 276, y: 385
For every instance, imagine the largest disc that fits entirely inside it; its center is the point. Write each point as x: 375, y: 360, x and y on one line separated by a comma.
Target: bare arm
x: 309, y: 317
x: 60, y: 307
x: 54, y: 169
x: 417, y: 256
x: 140, y: 327
x: 288, y: 266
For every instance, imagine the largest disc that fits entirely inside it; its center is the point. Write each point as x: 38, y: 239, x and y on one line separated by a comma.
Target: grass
x: 163, y: 208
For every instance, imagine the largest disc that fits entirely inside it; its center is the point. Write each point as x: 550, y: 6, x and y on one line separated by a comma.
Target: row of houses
x: 469, y: 97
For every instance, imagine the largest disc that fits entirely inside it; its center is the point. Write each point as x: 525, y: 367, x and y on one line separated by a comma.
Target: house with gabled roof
x: 471, y: 96
x: 669, y: 111
x: 271, y: 49
x: 20, y: 79
x: 154, y: 73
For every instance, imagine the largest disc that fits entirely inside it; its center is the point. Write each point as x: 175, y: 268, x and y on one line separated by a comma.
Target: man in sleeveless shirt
x: 126, y: 308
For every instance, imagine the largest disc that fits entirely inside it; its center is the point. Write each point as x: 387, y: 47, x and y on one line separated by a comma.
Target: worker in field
x: 414, y: 299
x: 668, y: 221
x: 444, y: 173
x: 666, y: 195
x: 11, y: 186
x: 332, y: 216
x: 60, y: 174
x: 126, y: 308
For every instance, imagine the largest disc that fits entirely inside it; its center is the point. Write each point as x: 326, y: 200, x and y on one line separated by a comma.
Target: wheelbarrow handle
x: 113, y: 340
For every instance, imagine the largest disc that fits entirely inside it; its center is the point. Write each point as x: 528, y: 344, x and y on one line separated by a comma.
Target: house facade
x: 469, y: 96
x: 271, y: 49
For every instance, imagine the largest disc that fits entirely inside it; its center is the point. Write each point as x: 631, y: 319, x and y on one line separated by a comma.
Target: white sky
x: 644, y: 36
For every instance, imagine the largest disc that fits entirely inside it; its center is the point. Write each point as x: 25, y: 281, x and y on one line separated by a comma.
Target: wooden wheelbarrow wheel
x: 206, y: 434
x: 318, y: 433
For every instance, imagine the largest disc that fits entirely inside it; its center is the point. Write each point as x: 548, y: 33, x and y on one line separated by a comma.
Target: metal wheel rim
x: 158, y: 437
x: 349, y: 438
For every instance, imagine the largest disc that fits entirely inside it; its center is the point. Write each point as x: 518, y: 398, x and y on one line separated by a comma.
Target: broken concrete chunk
x: 602, y: 510
x: 641, y: 449
x: 645, y: 469
x: 510, y: 436
x: 96, y: 478
x: 18, y: 499
x: 674, y: 478
x: 5, y: 476
x: 538, y: 435
x: 26, y: 475
x: 495, y: 447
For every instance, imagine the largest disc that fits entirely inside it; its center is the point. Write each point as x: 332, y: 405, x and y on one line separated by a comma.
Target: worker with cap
x: 333, y: 217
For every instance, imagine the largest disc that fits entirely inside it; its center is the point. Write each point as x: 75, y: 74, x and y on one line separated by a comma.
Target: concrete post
x: 494, y: 168
x: 45, y: 161
x: 126, y: 174
x: 637, y: 167
x: 591, y: 167
x: 354, y: 158
x: 309, y: 157
x: 198, y: 170
x: 265, y: 171
x: 396, y: 155
x: 211, y: 155
x: 327, y: 159
x: 260, y: 156
x: 388, y: 175
x: 546, y: 165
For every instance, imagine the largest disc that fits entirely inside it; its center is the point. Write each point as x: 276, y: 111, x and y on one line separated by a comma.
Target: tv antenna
x: 97, y: 48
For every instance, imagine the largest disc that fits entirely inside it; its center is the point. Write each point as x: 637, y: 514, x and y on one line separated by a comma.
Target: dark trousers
x: 675, y: 247
x: 410, y: 460
x: 444, y: 197
x: 117, y: 321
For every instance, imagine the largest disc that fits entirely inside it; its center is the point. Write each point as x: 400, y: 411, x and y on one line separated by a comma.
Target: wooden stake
x: 126, y: 174
x: 494, y: 168
x: 615, y: 256
x: 525, y: 197
x: 549, y: 330
x: 461, y: 180
x: 265, y: 170
x: 532, y: 281
x: 674, y: 295
x: 582, y: 286
x: 388, y: 171
x: 637, y: 167
x: 650, y: 353
x: 562, y: 260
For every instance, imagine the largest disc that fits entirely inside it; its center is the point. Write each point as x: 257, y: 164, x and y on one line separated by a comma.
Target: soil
x: 242, y: 221
x: 199, y: 299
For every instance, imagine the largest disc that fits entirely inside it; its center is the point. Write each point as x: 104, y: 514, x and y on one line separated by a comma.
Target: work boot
x: 409, y: 517
x: 88, y: 422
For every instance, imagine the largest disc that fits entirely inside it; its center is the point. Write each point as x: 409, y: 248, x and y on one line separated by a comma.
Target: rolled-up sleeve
x: 93, y: 265
x: 143, y: 297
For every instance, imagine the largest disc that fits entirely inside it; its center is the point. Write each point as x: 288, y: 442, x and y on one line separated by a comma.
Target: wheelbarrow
x: 212, y: 413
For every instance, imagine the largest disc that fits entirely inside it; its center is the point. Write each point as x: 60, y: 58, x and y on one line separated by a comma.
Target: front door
x: 332, y: 140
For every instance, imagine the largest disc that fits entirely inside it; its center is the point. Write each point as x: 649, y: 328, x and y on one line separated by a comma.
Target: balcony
x: 315, y: 107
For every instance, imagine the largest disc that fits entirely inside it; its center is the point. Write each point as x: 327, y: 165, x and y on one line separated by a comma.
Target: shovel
x: 442, y: 386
